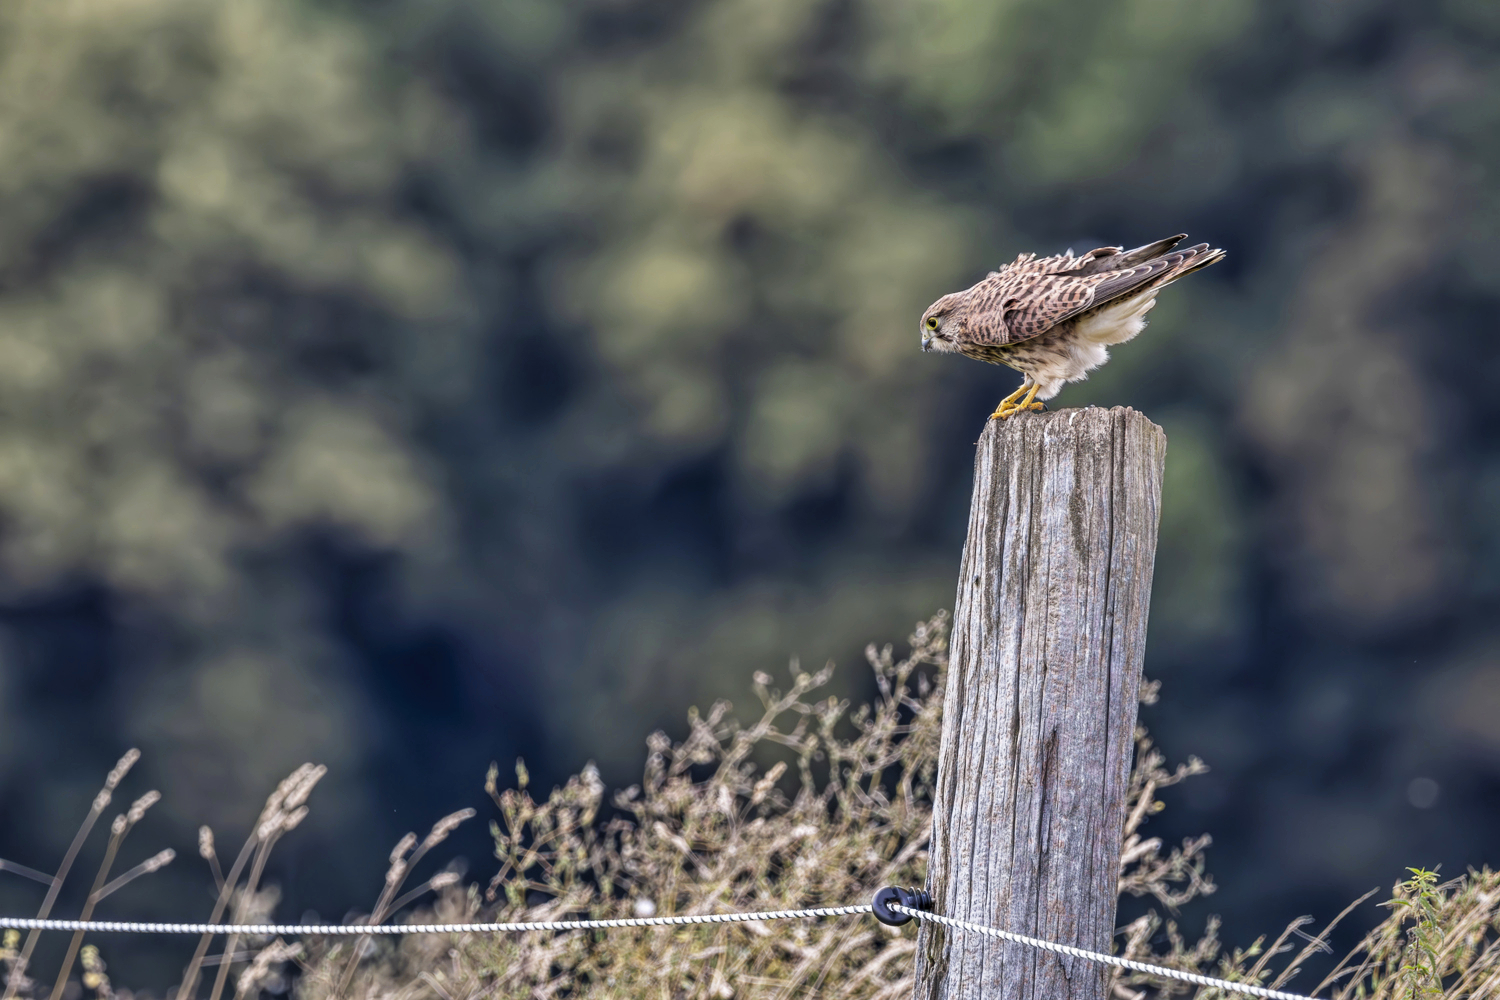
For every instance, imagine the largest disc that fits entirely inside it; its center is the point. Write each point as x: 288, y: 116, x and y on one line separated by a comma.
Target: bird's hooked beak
x: 926, y: 340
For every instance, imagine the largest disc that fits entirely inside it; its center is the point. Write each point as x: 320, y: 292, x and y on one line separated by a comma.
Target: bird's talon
x: 1007, y: 411
x: 1008, y: 406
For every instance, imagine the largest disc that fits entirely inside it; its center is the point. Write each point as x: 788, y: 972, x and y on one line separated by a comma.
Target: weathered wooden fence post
x: 1049, y: 631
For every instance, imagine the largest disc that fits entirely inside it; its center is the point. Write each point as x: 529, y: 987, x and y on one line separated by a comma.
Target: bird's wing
x: 1118, y: 258
x: 1033, y: 303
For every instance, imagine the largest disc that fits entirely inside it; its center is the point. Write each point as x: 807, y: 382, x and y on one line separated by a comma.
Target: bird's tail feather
x: 1118, y: 259
x: 1142, y: 254
x: 1197, y: 262
x: 1156, y: 273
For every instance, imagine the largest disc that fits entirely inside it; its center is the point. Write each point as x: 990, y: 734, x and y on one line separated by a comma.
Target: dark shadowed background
x: 407, y: 385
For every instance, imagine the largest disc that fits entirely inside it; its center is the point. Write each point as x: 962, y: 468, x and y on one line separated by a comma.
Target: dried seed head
x: 293, y: 819
x: 403, y: 845
x: 292, y: 791
x: 258, y: 973
x: 139, y: 806
x: 764, y: 786
x: 308, y: 776
x: 445, y: 826
x: 443, y: 880
x: 121, y: 769
x: 272, y: 808
x: 158, y: 861
x: 205, y: 843
x: 118, y: 826
x: 269, y: 826
x: 396, y: 874
x: 101, y: 802
x: 93, y: 970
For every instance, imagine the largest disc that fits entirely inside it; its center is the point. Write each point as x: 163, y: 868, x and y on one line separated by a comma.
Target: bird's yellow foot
x: 1008, y: 406
x: 1010, y: 411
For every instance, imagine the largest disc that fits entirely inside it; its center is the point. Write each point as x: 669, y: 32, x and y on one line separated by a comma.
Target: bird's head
x: 942, y: 323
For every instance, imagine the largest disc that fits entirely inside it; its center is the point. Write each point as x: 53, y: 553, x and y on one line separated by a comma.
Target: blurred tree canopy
x: 400, y: 385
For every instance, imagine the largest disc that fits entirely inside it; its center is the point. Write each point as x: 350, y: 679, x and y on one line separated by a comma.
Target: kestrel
x: 1054, y: 319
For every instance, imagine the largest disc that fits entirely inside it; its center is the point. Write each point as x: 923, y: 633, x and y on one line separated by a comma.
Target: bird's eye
x: 932, y: 322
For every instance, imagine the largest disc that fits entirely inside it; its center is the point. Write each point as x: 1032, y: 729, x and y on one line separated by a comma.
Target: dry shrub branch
x: 814, y: 803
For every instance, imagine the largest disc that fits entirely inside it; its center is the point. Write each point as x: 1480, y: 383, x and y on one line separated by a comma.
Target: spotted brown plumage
x: 1054, y: 318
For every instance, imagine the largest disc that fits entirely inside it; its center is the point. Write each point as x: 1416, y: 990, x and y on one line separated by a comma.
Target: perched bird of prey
x: 1053, y: 319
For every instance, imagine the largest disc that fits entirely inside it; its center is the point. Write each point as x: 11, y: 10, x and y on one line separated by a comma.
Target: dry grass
x: 812, y: 804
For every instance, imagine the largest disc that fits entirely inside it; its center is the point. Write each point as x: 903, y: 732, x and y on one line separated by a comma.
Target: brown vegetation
x: 812, y: 804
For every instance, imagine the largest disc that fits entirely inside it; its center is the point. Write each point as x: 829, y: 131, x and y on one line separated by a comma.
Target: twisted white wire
x: 1094, y: 956
x: 287, y: 930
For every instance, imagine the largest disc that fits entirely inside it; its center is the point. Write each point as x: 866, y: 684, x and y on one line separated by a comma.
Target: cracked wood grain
x: 1049, y: 633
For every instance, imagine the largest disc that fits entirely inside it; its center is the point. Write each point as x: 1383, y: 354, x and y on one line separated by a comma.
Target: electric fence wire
x: 289, y: 930
x: 1099, y: 957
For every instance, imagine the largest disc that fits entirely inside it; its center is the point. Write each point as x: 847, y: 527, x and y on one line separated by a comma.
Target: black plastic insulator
x: 912, y: 899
